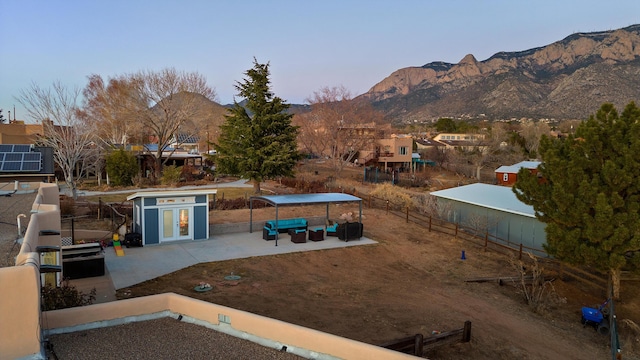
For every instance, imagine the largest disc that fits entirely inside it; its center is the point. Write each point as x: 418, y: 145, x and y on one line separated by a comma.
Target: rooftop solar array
x: 19, y: 158
x: 8, y: 148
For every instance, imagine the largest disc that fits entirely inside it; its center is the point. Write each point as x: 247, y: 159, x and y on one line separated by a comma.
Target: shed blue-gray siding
x: 151, y: 226
x: 148, y: 208
x: 200, y: 223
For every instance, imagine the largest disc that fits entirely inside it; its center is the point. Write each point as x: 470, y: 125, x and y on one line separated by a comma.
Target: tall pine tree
x: 257, y: 140
x: 589, y: 193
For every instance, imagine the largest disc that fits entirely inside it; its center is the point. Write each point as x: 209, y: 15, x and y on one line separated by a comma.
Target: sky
x: 309, y: 45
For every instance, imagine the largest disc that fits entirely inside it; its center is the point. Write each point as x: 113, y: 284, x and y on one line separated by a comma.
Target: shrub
x: 171, y: 175
x: 429, y: 205
x: 65, y: 296
x: 538, y: 292
x: 122, y: 167
x: 397, y: 198
x: 67, y: 206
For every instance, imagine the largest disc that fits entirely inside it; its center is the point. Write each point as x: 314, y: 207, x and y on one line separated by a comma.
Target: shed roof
x: 164, y: 193
x: 494, y: 197
x: 513, y: 169
x: 306, y: 199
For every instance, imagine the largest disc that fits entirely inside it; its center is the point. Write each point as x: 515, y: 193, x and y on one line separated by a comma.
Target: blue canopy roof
x: 302, y: 199
x: 307, y: 199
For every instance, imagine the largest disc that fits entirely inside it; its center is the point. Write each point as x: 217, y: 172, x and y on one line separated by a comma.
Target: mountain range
x: 568, y: 79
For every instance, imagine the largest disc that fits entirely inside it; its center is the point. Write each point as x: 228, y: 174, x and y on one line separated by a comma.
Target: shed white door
x: 175, y: 224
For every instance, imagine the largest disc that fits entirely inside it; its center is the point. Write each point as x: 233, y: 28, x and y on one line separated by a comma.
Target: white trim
x: 173, y: 193
x: 176, y: 237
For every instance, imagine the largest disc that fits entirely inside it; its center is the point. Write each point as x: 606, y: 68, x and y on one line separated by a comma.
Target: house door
x: 175, y: 224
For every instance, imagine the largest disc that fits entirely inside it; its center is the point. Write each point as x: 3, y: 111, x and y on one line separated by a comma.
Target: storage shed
x: 161, y: 216
x: 495, y: 210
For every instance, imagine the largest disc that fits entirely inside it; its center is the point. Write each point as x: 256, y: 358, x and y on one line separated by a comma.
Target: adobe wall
x: 20, y: 332
x: 265, y: 331
x: 20, y: 310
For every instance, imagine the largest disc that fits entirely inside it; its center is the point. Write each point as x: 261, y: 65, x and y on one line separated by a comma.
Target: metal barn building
x: 494, y: 209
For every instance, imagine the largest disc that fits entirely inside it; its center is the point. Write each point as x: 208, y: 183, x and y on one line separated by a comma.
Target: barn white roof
x: 494, y: 197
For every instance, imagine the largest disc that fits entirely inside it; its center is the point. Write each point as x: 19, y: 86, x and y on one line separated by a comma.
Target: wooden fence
x: 418, y: 343
x: 489, y: 242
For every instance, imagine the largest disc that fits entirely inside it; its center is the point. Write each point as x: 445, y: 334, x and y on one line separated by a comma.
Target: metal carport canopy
x: 302, y: 199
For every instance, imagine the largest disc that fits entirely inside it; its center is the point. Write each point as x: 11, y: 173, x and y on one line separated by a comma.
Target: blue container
x: 592, y: 315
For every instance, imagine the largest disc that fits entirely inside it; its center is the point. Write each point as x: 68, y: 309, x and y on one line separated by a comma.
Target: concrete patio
x: 145, y: 263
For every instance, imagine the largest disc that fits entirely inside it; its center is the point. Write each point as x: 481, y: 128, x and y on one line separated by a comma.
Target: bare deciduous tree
x: 110, y: 109
x: 531, y: 133
x: 170, y: 105
x: 71, y: 139
x: 483, y: 151
x: 338, y: 127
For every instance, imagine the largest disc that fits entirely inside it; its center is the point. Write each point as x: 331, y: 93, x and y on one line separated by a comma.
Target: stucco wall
x: 20, y: 333
x: 20, y: 310
x: 236, y: 322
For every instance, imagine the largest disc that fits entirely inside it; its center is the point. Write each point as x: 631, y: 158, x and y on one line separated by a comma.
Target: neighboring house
x: 186, y: 143
x: 393, y: 153
x: 459, y: 137
x: 507, y: 175
x: 25, y: 164
x: 493, y: 210
x: 424, y: 145
x: 17, y: 132
x: 173, y: 156
x: 463, y: 142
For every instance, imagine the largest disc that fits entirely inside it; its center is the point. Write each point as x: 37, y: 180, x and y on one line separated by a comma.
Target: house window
x: 403, y: 150
x: 505, y: 177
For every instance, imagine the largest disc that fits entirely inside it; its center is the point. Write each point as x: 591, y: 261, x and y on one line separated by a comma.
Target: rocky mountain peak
x: 589, y: 68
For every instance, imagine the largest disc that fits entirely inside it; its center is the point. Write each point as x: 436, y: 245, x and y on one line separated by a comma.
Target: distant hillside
x: 568, y: 79
x: 294, y: 109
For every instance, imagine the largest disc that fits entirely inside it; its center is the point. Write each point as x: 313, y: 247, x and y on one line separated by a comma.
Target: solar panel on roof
x: 21, y: 148
x: 1, y: 157
x: 31, y: 166
x: 13, y: 157
x: 6, y: 148
x: 11, y: 166
x: 31, y: 157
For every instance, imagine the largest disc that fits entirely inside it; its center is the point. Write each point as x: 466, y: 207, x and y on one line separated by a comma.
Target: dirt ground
x: 412, y: 281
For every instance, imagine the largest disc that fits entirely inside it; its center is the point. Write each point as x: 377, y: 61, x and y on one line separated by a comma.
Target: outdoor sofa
x: 284, y: 225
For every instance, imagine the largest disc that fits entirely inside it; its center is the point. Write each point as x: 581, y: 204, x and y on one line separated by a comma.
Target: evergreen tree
x: 589, y: 193
x: 257, y: 140
x: 122, y: 167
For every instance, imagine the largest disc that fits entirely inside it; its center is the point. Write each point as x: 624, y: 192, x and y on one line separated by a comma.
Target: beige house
x: 463, y: 142
x: 17, y: 132
x: 391, y: 153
